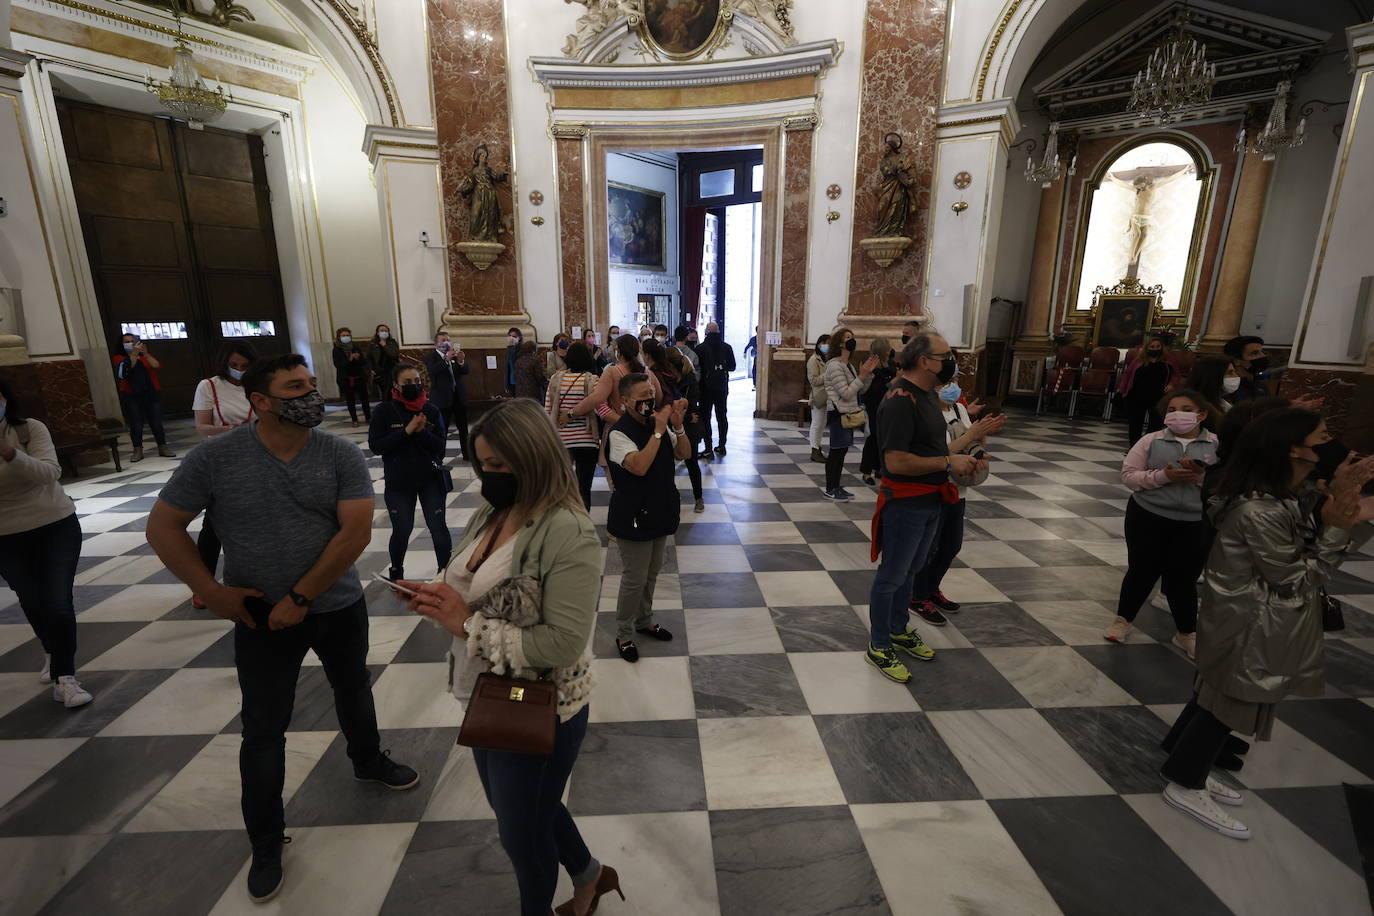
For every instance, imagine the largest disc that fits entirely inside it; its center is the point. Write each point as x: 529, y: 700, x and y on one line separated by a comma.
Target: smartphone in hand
x: 394, y: 584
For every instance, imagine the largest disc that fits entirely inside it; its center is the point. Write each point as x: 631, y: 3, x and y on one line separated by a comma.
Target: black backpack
x: 714, y: 375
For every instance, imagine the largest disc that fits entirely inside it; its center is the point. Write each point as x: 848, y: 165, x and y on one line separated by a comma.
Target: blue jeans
x: 908, y: 533
x: 537, y: 832
x: 40, y: 565
x: 140, y: 408
x: 400, y: 506
x: 942, y: 553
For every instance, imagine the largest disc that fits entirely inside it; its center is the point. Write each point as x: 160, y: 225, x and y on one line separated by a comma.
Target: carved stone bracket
x: 481, y: 254
x: 565, y: 131
x: 885, y: 250
x: 801, y: 122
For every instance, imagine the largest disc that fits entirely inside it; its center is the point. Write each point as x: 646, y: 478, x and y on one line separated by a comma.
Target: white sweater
x: 30, y: 496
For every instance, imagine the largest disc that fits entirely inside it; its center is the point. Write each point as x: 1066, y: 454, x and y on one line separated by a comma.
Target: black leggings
x: 354, y: 389
x: 584, y: 459
x: 1194, y: 743
x: 1162, y: 548
x: 1141, y: 419
x: 693, y: 465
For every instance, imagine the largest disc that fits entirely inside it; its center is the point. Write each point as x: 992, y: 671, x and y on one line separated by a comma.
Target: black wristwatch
x: 297, y: 598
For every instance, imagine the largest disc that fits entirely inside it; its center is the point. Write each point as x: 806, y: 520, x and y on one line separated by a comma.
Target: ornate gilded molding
x: 801, y: 122
x: 992, y: 48
x: 766, y: 26
x: 812, y: 59
x: 368, y: 42
x: 563, y: 131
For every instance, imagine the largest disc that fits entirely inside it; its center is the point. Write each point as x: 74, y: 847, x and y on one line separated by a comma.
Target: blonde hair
x: 523, y: 435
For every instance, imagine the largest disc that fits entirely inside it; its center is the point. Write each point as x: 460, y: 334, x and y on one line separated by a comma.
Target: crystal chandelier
x: 1176, y: 78
x: 1050, y: 168
x: 1274, y: 137
x: 183, y: 93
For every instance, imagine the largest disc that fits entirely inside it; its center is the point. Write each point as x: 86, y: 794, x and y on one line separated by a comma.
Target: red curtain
x: 693, y: 248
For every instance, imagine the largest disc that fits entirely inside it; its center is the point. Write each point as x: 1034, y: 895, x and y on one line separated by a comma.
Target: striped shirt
x: 566, y: 391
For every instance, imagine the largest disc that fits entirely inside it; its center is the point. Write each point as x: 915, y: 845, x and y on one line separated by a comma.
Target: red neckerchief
x: 415, y: 406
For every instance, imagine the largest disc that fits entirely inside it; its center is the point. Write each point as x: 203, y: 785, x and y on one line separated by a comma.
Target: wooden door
x: 179, y: 236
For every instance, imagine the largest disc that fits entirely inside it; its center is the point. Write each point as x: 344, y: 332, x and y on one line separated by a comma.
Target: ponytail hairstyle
x: 627, y: 348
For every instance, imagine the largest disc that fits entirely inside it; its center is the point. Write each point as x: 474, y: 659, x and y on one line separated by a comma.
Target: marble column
x: 904, y: 43
x: 783, y: 379
x: 1238, y: 254
x: 471, y: 97
x: 1033, y: 342
x: 572, y: 223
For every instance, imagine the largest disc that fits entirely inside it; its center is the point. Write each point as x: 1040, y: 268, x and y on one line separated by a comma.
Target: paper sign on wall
x: 576, y: 332
x: 773, y: 338
x: 491, y: 362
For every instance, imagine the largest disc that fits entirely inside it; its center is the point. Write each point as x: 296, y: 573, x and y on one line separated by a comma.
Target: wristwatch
x: 297, y: 598
x: 658, y: 435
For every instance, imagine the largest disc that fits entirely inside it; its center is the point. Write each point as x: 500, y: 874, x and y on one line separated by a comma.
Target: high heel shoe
x: 606, y: 882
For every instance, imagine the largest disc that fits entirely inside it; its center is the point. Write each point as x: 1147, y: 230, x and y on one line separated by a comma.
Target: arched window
x: 1144, y: 217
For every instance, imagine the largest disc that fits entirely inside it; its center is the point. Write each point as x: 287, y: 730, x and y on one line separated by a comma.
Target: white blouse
x: 227, y: 403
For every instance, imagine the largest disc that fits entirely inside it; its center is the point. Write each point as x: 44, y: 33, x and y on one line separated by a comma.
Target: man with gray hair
x: 916, y: 468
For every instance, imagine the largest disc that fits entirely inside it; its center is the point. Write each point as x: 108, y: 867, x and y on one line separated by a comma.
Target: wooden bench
x: 68, y: 447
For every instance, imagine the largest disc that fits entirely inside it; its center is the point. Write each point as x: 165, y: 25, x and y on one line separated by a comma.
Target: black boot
x: 265, y: 874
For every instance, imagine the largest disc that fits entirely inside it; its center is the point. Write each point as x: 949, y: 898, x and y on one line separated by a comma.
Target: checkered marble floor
x: 754, y: 765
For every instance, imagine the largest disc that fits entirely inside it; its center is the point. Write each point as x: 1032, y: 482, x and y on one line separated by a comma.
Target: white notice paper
x: 576, y: 332
x: 491, y: 362
x: 774, y: 338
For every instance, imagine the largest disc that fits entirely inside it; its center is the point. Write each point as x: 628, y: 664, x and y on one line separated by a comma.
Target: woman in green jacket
x: 532, y: 526
x: 1259, y: 634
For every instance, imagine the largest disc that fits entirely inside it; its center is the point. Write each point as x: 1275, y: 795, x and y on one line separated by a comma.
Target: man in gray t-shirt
x: 293, y: 507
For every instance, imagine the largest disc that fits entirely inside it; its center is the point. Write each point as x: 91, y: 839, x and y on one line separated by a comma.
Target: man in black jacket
x: 717, y: 359
x: 447, y: 365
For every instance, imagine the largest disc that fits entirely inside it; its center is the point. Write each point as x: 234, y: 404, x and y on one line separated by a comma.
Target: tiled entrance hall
x: 754, y: 765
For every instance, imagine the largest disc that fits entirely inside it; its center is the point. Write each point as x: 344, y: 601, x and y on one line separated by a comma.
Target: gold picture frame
x: 636, y: 227
x: 650, y: 24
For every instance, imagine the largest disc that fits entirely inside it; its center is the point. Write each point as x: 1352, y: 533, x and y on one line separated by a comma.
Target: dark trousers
x: 400, y: 506
x: 354, y: 389
x: 714, y: 400
x: 537, y: 832
x: 269, y: 662
x: 943, y: 550
x: 1195, y: 741
x: 840, y: 441
x: 1141, y: 418
x: 39, y: 565
x: 1159, y: 548
x: 694, y: 466
x: 208, y: 545
x: 870, y: 461
x: 584, y: 458
x: 140, y: 408
x: 456, y: 417
x: 909, y: 530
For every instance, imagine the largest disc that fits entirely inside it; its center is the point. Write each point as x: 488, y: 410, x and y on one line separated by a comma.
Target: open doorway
x: 684, y: 233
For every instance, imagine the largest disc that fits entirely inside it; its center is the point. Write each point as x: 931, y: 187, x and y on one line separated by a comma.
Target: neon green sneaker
x: 885, y: 660
x: 910, y: 643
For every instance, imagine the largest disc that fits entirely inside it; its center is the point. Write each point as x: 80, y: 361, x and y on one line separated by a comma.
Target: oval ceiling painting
x: 681, y: 27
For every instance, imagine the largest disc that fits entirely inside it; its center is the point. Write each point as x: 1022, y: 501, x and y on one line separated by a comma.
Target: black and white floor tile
x: 754, y: 765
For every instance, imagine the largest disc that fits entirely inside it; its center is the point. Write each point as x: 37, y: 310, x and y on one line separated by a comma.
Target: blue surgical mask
x: 345, y: 340
x: 128, y: 348
x: 823, y: 349
x: 235, y: 374
x: 950, y: 393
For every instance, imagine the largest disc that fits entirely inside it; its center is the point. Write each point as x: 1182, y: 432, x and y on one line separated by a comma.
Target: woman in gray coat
x: 1259, y: 635
x: 844, y: 385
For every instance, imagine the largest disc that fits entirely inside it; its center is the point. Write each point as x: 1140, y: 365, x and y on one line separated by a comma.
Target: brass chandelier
x: 183, y: 93
x: 1176, y: 77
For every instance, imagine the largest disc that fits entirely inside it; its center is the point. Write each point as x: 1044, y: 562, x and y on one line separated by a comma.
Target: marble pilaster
x: 1238, y: 255
x: 572, y: 227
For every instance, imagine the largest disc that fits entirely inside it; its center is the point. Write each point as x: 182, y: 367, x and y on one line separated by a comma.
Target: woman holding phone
x: 140, y: 394
x: 532, y: 529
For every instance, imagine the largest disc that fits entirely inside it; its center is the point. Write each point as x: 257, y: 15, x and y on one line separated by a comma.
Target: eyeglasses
x: 940, y: 356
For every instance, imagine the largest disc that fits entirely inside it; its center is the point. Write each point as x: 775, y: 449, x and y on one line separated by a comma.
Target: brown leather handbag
x: 510, y: 714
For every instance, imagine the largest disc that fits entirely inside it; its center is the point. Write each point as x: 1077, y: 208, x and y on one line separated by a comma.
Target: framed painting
x: 681, y: 29
x: 637, y: 221
x: 1122, y: 321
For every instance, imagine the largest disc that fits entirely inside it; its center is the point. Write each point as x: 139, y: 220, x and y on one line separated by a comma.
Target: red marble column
x: 471, y: 104
x: 572, y: 230
x: 904, y: 43
x: 796, y: 233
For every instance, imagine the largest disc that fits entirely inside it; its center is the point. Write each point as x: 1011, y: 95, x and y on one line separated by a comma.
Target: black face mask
x: 947, y: 369
x: 645, y: 408
x: 851, y: 344
x: 411, y: 392
x: 1329, y: 457
x: 1154, y: 354
x: 1259, y: 365
x: 906, y: 338
x: 500, y: 489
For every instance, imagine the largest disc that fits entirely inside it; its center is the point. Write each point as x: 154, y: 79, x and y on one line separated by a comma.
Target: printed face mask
x: 445, y: 346
x: 1181, y: 421
x: 645, y: 408
x: 306, y: 410
x: 562, y: 345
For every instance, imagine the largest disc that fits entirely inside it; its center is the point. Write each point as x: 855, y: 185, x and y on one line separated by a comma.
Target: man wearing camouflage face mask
x: 293, y: 507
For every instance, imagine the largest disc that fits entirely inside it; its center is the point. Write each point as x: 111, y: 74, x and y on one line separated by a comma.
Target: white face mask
x: 345, y: 339
x: 383, y: 335
x: 1230, y: 385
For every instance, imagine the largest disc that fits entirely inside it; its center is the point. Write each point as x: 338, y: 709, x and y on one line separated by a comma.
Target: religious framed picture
x: 637, y: 220
x: 1122, y: 321
x: 682, y: 29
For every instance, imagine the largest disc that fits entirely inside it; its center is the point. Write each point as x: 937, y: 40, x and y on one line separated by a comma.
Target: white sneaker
x: 45, y: 676
x: 1198, y: 804
x: 1223, y: 793
x: 1158, y: 601
x: 69, y: 692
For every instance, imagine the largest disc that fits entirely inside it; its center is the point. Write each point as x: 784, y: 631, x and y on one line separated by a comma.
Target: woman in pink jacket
x: 1166, y: 537
x: 1146, y: 379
